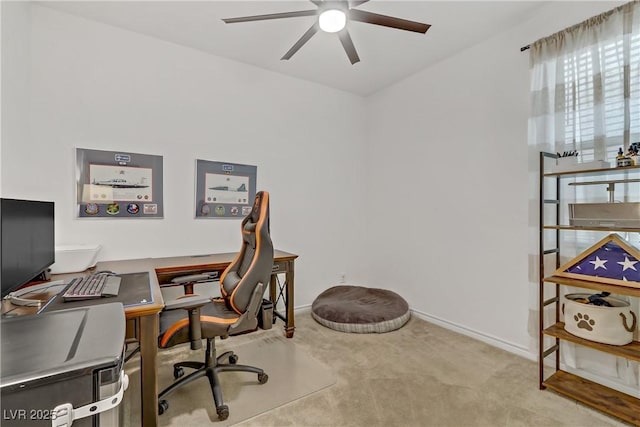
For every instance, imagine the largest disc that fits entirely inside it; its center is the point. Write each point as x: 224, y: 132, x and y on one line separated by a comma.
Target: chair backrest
x: 254, y: 262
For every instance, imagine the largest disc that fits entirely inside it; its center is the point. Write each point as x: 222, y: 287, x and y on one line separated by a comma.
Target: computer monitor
x: 28, y: 244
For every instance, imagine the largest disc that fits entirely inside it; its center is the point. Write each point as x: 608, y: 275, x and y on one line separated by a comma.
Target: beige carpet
x: 292, y: 374
x: 420, y: 375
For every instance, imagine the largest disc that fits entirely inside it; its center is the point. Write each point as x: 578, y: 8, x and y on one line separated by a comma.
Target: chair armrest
x: 193, y: 278
x: 187, y: 302
x: 188, y: 281
x: 191, y: 303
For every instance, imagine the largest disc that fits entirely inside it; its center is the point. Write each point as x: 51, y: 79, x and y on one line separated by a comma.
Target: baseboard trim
x: 489, y: 339
x: 302, y: 308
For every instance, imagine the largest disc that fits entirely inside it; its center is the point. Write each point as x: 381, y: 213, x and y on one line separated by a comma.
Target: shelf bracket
x: 611, y: 188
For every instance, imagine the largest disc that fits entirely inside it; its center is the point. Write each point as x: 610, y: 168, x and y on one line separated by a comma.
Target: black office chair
x: 191, y: 318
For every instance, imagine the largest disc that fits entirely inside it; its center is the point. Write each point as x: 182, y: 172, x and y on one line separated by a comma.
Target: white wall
x: 99, y: 87
x: 447, y: 184
x: 14, y: 90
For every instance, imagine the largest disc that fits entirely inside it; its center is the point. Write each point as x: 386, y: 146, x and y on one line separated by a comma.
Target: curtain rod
x: 603, y: 15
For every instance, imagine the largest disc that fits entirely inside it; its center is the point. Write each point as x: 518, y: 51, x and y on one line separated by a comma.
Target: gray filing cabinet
x: 63, y: 367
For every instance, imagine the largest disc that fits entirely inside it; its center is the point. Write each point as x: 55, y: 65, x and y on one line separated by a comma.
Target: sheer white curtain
x: 585, y: 86
x: 585, y: 97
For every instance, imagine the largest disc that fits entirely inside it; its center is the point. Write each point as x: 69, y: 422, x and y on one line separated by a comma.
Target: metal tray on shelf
x: 605, y: 214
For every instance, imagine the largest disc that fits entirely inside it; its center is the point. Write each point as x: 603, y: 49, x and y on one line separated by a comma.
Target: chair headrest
x: 260, y: 205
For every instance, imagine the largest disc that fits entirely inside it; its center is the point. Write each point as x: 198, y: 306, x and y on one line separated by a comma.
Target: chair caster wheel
x: 233, y: 359
x: 163, y: 405
x: 178, y: 372
x: 223, y: 412
x: 263, y: 378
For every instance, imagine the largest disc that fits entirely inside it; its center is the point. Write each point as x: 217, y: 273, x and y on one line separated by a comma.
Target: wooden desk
x: 142, y: 320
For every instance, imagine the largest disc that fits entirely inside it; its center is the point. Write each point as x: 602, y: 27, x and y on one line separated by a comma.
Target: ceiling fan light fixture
x: 332, y: 20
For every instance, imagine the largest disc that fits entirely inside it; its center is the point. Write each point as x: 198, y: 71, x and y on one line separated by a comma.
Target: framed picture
x: 116, y: 184
x: 224, y: 190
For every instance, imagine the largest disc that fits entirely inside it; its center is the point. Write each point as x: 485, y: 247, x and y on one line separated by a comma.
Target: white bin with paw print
x: 608, y: 325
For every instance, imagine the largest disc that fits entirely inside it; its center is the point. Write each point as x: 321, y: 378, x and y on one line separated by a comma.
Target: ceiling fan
x: 332, y: 18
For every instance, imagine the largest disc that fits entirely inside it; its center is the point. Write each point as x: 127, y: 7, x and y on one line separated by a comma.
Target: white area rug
x: 293, y: 374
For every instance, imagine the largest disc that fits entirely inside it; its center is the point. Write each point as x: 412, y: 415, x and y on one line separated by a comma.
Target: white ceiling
x: 387, y: 55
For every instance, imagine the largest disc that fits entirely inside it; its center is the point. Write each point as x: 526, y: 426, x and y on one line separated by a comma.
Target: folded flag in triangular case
x: 612, y: 260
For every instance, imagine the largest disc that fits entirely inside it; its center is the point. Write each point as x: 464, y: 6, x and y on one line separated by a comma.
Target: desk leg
x: 273, y: 286
x: 278, y: 291
x: 148, y: 336
x: 290, y: 327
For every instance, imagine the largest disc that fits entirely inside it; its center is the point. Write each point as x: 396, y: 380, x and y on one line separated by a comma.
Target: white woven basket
x: 608, y: 325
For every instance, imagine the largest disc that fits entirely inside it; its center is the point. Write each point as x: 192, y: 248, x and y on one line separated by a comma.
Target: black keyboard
x: 91, y: 287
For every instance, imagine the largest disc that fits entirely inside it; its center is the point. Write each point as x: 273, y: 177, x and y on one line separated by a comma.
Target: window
x: 601, y: 97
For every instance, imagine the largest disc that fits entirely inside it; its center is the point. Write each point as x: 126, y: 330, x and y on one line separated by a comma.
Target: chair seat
x: 215, y: 319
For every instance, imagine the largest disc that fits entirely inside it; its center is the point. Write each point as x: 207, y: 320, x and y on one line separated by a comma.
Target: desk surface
x: 135, y: 290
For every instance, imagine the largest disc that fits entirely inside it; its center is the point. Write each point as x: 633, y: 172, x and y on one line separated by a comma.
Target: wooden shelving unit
x: 591, y: 173
x: 630, y: 351
x: 596, y: 286
x: 584, y: 228
x: 598, y: 396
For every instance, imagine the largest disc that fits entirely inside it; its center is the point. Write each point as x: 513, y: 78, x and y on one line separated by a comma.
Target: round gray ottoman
x: 361, y: 310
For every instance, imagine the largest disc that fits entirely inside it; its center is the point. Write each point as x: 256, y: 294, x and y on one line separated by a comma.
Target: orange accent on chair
x: 261, y: 219
x: 172, y: 330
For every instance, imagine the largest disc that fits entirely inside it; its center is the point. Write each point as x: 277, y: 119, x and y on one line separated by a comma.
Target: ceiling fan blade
x: 387, y: 21
x: 271, y: 16
x: 305, y: 38
x: 347, y: 43
x: 354, y: 3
